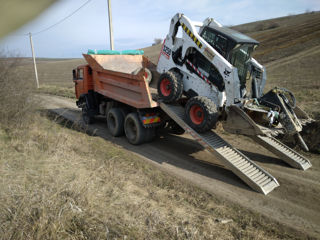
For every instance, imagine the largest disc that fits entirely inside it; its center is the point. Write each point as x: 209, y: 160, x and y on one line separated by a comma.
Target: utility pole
x: 34, y: 60
x: 110, y: 25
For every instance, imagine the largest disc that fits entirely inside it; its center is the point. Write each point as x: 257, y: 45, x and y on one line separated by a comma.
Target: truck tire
x: 170, y: 86
x: 135, y: 132
x: 87, y: 119
x: 202, y: 114
x: 151, y: 134
x: 115, y: 122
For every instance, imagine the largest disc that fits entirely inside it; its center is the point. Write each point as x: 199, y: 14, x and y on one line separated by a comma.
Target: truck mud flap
x: 253, y: 175
x: 285, y: 153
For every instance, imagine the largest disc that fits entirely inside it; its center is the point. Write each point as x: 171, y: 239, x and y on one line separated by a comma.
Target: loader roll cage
x: 235, y: 47
x: 239, y: 58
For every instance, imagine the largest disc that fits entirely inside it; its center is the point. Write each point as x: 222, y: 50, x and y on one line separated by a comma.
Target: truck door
x: 78, y: 80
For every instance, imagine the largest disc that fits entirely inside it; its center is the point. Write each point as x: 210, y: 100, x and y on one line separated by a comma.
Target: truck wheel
x: 135, y: 132
x: 170, y: 86
x: 87, y: 119
x: 202, y: 114
x: 151, y: 134
x: 115, y: 122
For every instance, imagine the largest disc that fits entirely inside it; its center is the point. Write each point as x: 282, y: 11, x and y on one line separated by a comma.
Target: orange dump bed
x: 120, y: 77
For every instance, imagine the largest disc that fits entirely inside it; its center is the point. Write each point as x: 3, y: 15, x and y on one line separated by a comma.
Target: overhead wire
x: 62, y: 20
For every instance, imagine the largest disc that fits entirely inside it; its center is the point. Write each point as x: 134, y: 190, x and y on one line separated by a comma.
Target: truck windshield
x: 239, y: 58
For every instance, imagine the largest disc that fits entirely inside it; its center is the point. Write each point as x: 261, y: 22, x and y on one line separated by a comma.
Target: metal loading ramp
x: 256, y: 177
x: 285, y: 153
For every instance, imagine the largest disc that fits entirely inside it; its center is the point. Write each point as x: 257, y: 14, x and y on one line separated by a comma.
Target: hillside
x: 285, y: 36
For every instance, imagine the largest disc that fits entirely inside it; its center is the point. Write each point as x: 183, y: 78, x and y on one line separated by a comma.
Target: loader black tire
x: 202, y: 114
x: 115, y: 122
x: 170, y: 86
x: 135, y: 132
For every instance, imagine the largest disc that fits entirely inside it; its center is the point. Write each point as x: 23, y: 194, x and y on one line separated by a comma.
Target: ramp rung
x: 256, y: 175
x: 249, y: 171
x: 230, y: 157
x: 285, y: 153
x: 265, y: 182
x: 262, y: 180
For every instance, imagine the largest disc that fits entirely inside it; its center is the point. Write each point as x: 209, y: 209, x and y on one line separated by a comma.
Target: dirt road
x: 295, y: 203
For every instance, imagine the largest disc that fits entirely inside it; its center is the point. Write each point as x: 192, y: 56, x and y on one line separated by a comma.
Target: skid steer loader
x: 211, y: 65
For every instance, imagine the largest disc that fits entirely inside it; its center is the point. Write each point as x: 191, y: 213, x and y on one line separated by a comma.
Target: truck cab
x: 82, y: 77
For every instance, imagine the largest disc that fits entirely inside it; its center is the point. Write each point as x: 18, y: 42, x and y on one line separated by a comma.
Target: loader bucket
x: 238, y: 122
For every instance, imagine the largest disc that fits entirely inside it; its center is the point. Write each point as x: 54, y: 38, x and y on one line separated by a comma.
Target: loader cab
x: 234, y: 46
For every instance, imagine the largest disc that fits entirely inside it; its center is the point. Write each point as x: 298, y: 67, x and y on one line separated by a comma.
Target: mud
x: 311, y: 135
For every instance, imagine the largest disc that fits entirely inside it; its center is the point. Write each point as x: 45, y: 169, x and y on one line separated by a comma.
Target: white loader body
x: 199, y: 83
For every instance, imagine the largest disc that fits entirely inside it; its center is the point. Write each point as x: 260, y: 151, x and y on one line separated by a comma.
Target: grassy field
x: 53, y: 186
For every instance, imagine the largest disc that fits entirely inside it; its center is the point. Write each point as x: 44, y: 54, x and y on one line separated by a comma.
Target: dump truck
x: 116, y: 86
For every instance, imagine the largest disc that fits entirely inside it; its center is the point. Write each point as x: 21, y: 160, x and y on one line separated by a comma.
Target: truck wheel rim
x: 165, y: 87
x: 196, y: 114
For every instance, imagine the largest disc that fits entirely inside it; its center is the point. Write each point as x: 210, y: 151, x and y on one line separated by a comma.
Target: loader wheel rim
x: 196, y: 114
x: 165, y: 87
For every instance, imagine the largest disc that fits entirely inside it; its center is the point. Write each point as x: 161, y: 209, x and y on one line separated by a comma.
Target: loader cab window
x: 216, y: 40
x: 239, y: 58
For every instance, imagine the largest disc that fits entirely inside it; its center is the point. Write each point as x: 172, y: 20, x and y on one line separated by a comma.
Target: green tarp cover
x: 113, y: 52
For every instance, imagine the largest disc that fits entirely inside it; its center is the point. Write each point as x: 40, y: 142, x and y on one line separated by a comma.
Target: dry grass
x: 15, y: 91
x: 57, y: 90
x: 57, y: 183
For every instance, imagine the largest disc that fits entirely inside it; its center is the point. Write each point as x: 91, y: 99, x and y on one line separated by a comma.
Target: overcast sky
x: 136, y: 23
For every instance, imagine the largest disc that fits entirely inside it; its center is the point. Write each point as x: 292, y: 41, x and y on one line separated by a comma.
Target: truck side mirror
x: 74, y: 73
